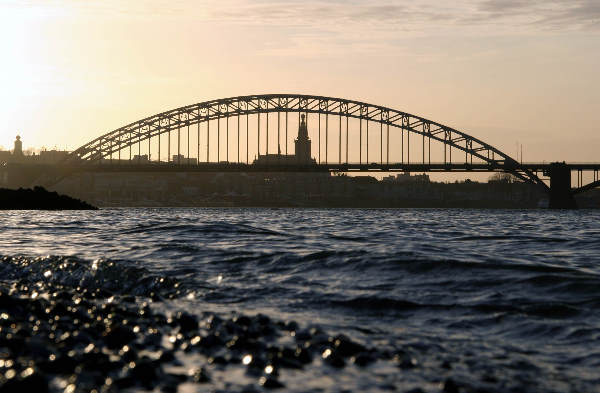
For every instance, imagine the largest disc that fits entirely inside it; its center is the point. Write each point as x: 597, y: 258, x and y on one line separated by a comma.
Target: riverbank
x: 39, y: 199
x: 61, y: 330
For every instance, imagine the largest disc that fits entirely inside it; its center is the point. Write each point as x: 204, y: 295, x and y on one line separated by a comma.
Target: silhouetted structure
x: 302, y: 144
x: 18, y: 150
x: 561, y: 196
x: 393, y: 134
x: 302, y: 149
x: 16, y: 155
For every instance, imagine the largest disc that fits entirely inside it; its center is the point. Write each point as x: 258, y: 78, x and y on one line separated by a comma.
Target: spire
x: 302, y: 143
x: 302, y: 129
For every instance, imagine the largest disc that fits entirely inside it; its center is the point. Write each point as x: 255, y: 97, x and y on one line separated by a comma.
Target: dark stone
x: 170, y: 382
x: 363, y: 359
x: 287, y: 362
x: 217, y: 360
x: 169, y: 388
x: 270, y: 383
x: 167, y: 356
x: 302, y: 335
x: 64, y: 364
x: 303, y: 355
x: 242, y: 320
x: 450, y: 386
x: 201, y: 376
x: 334, y: 360
x: 345, y: 347
x: 124, y: 382
x: 146, y: 372
x: 187, y: 323
x: 291, y: 326
x: 210, y: 341
x: 32, y: 383
x: 405, y: 361
x: 118, y: 337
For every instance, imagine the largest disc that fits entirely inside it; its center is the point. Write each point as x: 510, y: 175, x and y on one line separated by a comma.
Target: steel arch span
x: 149, y: 128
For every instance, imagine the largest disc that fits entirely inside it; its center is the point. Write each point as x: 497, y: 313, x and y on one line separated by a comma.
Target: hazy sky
x: 504, y: 71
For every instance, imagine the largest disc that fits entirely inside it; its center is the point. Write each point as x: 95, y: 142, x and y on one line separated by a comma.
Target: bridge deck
x: 329, y: 167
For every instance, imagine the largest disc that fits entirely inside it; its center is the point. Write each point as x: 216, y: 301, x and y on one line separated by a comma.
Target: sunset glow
x: 509, y: 73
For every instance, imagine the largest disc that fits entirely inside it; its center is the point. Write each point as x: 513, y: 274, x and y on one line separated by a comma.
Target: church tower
x: 302, y: 143
x: 18, y: 151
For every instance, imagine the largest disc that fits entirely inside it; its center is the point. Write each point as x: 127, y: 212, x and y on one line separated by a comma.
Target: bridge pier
x: 561, y: 196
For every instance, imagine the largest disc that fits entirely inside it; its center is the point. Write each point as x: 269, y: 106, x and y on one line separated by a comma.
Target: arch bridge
x: 243, y: 133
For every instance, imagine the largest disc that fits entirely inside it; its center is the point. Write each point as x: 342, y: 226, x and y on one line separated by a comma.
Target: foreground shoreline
x: 107, y: 335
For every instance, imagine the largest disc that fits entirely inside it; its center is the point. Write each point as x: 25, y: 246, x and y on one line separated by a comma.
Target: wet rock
x: 302, y: 335
x: 118, y: 337
x: 303, y: 355
x: 217, y: 360
x: 321, y: 338
x: 167, y: 356
x: 187, y: 323
x: 270, y: 383
x: 63, y: 364
x: 34, y: 382
x: 125, y: 382
x: 287, y: 359
x: 168, y: 388
x: 200, y: 375
x: 450, y: 386
x: 333, y: 359
x: 242, y: 320
x: 146, y: 372
x: 363, y: 359
x: 170, y: 382
x: 211, y: 341
x: 405, y: 360
x: 242, y: 343
x: 291, y: 326
x: 345, y: 347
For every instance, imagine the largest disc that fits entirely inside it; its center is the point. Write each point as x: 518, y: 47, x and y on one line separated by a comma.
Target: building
x: 52, y: 156
x: 183, y: 160
x: 302, y: 148
x: 18, y: 150
x: 16, y: 155
x: 5, y: 156
x: 407, y: 178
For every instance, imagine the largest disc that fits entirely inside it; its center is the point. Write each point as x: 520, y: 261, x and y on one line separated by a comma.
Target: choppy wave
x: 495, y: 301
x: 94, y: 276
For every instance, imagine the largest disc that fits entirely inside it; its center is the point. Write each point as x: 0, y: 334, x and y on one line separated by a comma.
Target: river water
x: 442, y: 300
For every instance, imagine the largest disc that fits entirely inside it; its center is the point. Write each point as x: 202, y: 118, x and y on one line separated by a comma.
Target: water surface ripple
x: 499, y: 300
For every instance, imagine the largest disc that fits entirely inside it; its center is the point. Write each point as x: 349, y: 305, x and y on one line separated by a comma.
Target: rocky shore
x: 66, y: 326
x: 39, y: 199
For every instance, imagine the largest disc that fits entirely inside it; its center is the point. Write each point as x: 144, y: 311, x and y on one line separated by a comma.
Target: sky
x: 511, y: 73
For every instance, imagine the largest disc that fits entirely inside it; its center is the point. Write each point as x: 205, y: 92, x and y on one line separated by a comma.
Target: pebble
x: 105, y: 337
